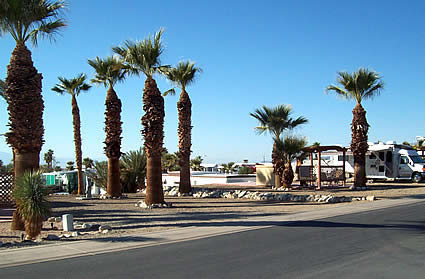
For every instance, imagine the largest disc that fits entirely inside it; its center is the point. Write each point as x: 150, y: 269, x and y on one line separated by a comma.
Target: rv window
x: 381, y: 156
x: 372, y: 156
x: 404, y: 160
x: 417, y: 159
x: 340, y: 158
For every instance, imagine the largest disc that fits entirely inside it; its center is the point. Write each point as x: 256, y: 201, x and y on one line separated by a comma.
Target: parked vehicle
x: 384, y: 161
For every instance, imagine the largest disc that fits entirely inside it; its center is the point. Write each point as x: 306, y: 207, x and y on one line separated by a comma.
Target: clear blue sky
x: 252, y: 53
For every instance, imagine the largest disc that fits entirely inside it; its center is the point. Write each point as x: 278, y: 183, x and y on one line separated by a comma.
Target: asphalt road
x: 387, y: 243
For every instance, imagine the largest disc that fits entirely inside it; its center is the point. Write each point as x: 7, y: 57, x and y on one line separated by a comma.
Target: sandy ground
x: 126, y: 219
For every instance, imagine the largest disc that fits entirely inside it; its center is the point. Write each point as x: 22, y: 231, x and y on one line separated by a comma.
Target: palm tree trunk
x: 153, y: 133
x: 288, y: 176
x: 277, y: 167
x: 359, y: 146
x: 184, y: 107
x: 113, y: 142
x: 25, y: 106
x: 77, y: 141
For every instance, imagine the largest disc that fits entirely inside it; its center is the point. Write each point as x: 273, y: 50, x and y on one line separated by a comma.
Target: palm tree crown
x: 109, y: 71
x: 360, y: 85
x: 143, y: 56
x: 72, y: 86
x: 31, y: 19
x: 290, y: 146
x: 183, y: 74
x: 275, y: 120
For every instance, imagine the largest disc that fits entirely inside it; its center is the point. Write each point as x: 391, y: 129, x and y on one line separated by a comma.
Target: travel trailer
x: 384, y: 161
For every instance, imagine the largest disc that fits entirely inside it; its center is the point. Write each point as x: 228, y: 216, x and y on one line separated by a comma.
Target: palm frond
x: 142, y: 56
x: 108, y: 71
x: 170, y: 92
x: 26, y: 20
x: 183, y: 74
x: 277, y: 119
x: 363, y: 84
x: 73, y: 86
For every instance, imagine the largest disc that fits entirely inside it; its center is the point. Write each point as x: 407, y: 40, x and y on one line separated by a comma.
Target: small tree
x: 70, y: 165
x: 245, y: 170
x: 100, y: 174
x: 288, y: 149
x: 195, y: 163
x: 88, y: 163
x: 229, y: 167
x: 133, y: 170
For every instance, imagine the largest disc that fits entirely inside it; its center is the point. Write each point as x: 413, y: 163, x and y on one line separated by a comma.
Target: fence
x: 6, y: 184
x: 328, y: 173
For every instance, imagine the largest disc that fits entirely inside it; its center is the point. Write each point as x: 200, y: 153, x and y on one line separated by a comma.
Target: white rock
x: 105, y: 231
x: 74, y: 234
x: 370, y: 198
x: 58, y: 219
x: 104, y: 227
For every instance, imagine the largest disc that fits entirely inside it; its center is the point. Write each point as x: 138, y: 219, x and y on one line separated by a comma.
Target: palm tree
x: 88, y: 163
x: 275, y: 121
x: 74, y: 87
x: 229, y: 167
x: 109, y: 71
x: 133, y: 170
x: 48, y: 158
x: 195, y: 163
x: 358, y: 86
x: 288, y: 149
x: 183, y: 75
x: 143, y: 57
x: 27, y: 20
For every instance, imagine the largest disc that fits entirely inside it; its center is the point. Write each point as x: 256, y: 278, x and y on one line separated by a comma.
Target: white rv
x: 394, y: 161
x: 384, y: 161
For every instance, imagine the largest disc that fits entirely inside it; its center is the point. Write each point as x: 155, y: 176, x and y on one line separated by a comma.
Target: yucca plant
x: 30, y: 195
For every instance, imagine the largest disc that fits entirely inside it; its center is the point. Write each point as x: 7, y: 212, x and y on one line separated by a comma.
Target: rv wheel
x: 416, y: 177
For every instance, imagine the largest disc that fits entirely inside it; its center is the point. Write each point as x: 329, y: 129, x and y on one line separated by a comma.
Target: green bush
x: 245, y: 170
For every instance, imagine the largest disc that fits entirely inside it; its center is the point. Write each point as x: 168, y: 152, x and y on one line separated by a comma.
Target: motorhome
x: 384, y: 161
x: 394, y: 161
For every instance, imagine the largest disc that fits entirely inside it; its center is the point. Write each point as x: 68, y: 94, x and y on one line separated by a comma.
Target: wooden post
x: 319, y: 170
x: 343, y: 165
x: 311, y: 168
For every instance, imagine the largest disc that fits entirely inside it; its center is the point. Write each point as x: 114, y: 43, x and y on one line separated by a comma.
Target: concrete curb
x: 50, y: 252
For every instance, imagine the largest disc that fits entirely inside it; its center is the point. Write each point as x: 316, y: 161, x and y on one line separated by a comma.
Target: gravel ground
x: 126, y: 219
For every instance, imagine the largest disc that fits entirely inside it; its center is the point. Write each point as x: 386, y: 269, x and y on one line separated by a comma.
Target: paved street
x: 385, y: 243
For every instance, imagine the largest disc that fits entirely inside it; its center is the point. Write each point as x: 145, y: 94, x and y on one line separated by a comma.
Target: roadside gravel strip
x: 49, y: 252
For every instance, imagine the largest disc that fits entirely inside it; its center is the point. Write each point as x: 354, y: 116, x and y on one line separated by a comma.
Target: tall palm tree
x: 27, y: 20
x: 88, y: 163
x: 361, y: 85
x: 109, y: 71
x: 74, y: 87
x: 183, y: 75
x: 275, y: 121
x: 288, y: 148
x: 144, y: 57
